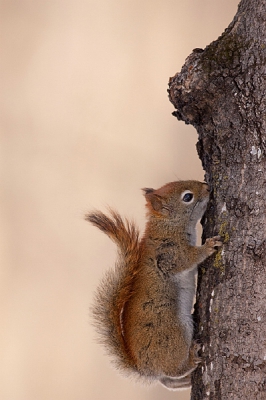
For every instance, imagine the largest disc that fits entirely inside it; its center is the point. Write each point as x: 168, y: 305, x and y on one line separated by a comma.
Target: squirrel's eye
x: 187, y: 197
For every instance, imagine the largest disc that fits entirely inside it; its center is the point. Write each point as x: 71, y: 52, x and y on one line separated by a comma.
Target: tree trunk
x: 221, y: 91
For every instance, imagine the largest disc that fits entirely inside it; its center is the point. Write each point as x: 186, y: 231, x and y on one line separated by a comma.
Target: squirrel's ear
x: 147, y: 191
x: 154, y: 200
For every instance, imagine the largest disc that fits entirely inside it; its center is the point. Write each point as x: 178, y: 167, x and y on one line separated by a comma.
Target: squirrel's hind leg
x: 176, y: 383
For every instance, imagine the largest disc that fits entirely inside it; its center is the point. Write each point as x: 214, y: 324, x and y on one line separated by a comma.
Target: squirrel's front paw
x: 211, y: 243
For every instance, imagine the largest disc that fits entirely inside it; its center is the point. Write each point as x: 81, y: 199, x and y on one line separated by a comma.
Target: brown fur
x: 116, y: 286
x: 142, y: 308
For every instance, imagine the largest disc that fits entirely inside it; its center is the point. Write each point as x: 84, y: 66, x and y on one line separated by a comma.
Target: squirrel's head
x: 178, y: 200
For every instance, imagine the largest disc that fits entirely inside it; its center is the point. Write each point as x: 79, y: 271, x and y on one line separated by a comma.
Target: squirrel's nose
x: 206, y: 187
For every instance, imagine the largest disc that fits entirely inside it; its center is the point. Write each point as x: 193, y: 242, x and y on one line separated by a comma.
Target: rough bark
x: 221, y: 91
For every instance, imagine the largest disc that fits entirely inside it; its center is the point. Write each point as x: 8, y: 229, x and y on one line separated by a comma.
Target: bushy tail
x: 116, y: 287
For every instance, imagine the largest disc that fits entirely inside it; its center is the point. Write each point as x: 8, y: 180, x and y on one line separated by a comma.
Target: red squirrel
x: 142, y: 308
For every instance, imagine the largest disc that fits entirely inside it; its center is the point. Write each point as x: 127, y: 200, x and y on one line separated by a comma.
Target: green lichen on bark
x: 224, y: 53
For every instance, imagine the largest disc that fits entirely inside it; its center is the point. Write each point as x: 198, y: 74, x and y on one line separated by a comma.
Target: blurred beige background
x: 85, y: 122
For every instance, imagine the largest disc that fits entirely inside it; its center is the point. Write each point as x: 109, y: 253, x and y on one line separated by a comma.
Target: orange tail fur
x: 115, y: 288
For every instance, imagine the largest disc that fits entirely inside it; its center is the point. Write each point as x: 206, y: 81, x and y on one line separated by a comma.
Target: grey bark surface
x: 221, y: 91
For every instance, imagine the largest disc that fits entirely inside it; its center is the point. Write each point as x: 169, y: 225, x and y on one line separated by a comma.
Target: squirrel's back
x: 116, y: 286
